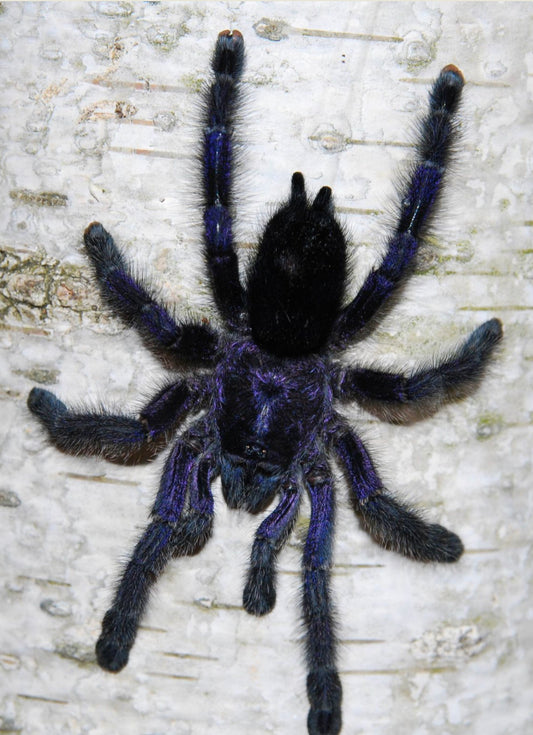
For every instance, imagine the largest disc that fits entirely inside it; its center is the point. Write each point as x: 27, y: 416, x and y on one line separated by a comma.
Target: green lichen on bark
x: 33, y: 285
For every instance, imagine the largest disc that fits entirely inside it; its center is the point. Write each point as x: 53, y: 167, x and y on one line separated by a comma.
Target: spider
x: 263, y: 388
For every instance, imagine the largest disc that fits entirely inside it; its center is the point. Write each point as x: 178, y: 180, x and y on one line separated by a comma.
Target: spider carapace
x: 265, y: 384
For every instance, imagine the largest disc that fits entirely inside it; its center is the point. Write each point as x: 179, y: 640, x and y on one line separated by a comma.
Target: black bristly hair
x: 221, y: 99
x: 264, y: 402
x: 296, y: 283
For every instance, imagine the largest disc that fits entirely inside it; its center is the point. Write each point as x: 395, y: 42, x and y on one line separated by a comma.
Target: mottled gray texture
x: 97, y: 115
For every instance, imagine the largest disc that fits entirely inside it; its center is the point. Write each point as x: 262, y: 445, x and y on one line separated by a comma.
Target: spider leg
x: 323, y: 684
x: 113, y: 436
x: 392, y: 524
x: 453, y: 377
x: 218, y: 143
x: 193, y: 529
x: 132, y: 301
x: 259, y: 595
x: 172, y: 532
x: 418, y: 197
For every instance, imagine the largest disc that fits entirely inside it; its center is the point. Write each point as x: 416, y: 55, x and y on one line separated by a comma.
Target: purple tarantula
x: 268, y: 382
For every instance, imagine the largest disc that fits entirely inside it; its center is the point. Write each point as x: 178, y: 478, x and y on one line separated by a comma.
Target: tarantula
x: 266, y: 385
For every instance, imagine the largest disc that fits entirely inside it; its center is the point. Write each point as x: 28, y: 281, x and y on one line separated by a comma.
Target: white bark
x: 98, y: 110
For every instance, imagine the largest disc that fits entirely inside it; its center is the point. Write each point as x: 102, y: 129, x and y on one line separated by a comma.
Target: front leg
x: 174, y: 531
x: 436, y: 137
x: 323, y: 683
x: 260, y: 590
x: 392, y: 524
x: 121, y: 621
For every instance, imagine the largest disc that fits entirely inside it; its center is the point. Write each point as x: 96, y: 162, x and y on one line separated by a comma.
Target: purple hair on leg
x: 259, y: 390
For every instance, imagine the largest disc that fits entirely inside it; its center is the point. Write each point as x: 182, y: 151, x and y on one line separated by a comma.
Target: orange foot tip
x: 235, y: 33
x: 455, y: 70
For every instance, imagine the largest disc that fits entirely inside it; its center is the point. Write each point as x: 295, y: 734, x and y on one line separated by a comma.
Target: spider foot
x: 325, y: 694
x: 45, y: 406
x: 447, y: 89
x: 191, y: 534
x: 400, y: 529
x: 259, y: 596
x: 115, y: 642
x: 101, y: 249
x: 442, y: 545
x: 229, y: 53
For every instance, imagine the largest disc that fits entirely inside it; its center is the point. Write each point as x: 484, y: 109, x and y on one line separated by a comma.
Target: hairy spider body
x: 265, y: 397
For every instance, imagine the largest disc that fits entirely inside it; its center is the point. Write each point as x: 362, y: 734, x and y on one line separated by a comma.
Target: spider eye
x: 254, y: 451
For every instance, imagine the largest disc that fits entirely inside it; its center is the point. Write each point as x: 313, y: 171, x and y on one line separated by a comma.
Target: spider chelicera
x: 266, y: 384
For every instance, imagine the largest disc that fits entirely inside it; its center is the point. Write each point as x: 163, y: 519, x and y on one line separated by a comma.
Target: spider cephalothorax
x: 265, y: 396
